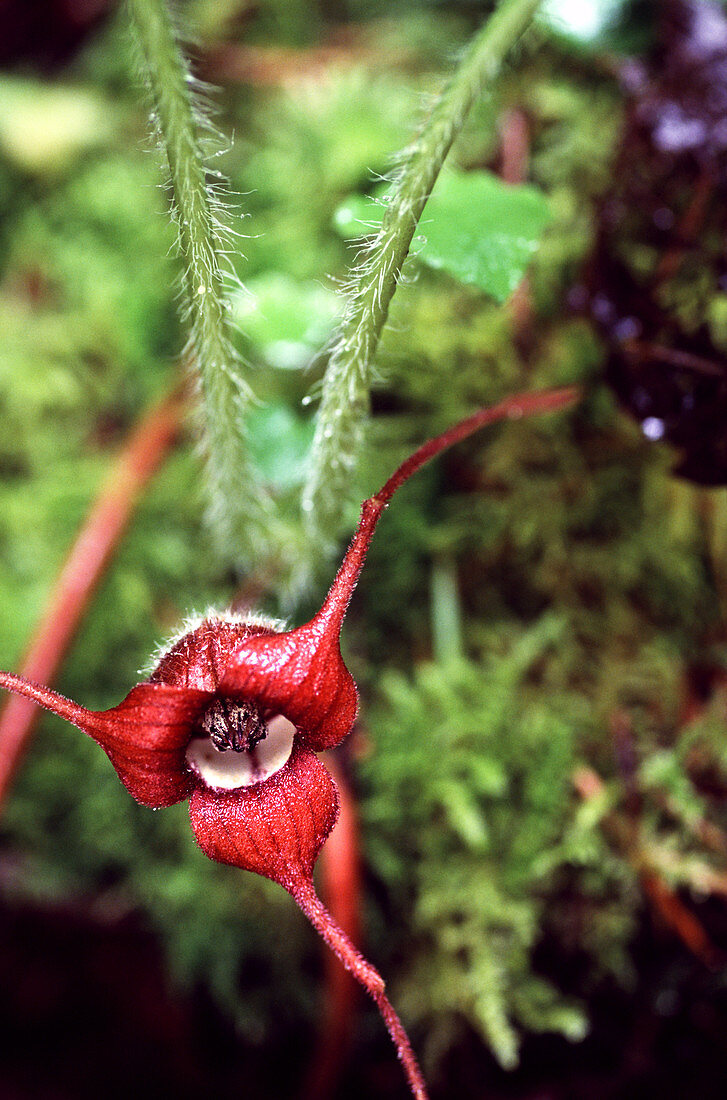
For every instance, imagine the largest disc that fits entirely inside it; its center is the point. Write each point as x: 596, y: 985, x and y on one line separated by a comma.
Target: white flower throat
x: 239, y: 748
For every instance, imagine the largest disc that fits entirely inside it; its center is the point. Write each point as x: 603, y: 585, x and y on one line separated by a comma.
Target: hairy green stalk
x: 240, y: 512
x: 345, y: 396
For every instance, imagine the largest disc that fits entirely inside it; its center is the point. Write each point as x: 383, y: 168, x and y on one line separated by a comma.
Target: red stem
x: 687, y: 230
x: 340, y: 878
x: 83, y: 568
x: 514, y: 156
x: 306, y: 897
x: 339, y: 595
x: 514, y: 146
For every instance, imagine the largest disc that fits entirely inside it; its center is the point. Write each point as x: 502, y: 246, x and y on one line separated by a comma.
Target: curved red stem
x: 316, y: 912
x: 340, y: 878
x: 336, y: 603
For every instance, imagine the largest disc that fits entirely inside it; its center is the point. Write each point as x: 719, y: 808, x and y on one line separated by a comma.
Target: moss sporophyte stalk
x: 378, y: 270
x: 241, y: 511
x: 239, y: 505
x: 236, y: 710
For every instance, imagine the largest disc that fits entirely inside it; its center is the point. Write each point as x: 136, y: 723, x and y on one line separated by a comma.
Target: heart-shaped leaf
x: 475, y: 227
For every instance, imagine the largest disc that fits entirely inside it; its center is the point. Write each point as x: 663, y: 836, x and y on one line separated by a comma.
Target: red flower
x: 232, y: 718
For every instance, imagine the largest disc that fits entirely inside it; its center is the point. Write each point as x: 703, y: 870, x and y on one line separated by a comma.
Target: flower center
x: 236, y: 726
x: 259, y: 747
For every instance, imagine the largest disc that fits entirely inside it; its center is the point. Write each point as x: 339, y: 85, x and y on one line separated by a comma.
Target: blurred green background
x: 542, y: 609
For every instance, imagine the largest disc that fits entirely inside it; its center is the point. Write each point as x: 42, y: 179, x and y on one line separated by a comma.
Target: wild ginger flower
x: 232, y: 718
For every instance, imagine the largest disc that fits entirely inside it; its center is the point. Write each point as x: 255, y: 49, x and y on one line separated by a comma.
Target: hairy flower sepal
x: 277, y: 829
x: 145, y: 736
x: 274, y: 828
x: 234, y: 712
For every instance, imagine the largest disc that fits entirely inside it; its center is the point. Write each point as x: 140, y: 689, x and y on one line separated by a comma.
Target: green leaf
x: 288, y: 319
x: 279, y: 442
x: 475, y: 227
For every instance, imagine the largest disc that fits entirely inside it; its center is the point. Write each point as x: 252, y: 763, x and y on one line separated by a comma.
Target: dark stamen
x: 233, y: 725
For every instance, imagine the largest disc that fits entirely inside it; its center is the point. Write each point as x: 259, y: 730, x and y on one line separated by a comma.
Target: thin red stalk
x: 514, y: 147
x: 83, y: 568
x: 41, y: 696
x: 625, y: 835
x: 340, y: 881
x: 367, y: 975
x: 679, y: 918
x: 689, y: 226
x: 316, y: 912
x: 400, y: 1038
x: 513, y: 408
x: 660, y: 353
x: 514, y: 156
